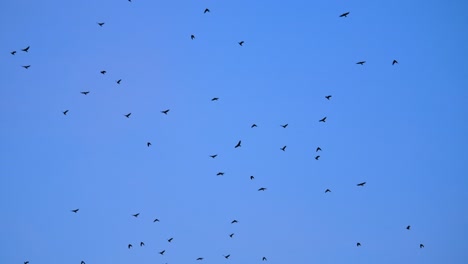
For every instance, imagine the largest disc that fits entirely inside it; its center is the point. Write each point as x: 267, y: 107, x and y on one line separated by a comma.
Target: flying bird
x: 26, y: 262
x: 103, y: 72
x: 118, y: 81
x: 170, y: 240
x: 361, y: 62
x: 238, y: 144
x: 165, y: 111
x: 283, y: 148
x: 323, y: 119
x: 142, y: 244
x: 253, y: 125
x: 358, y: 244
x: 361, y: 184
x: 327, y: 190
x: 162, y: 252
x: 192, y: 37
x: 128, y: 115
x: 394, y: 62
x: 85, y: 93
x: 262, y: 189
x: 130, y: 246
x: 318, y: 149
x: 65, y: 112
x: 284, y: 126
x: 408, y: 227
x: 231, y: 235
x: 227, y: 256
x: 328, y: 97
x: 26, y: 49
x: 148, y: 144
x: 263, y: 259
x: 26, y: 66
x: 13, y: 52
x: 155, y: 220
x: 136, y: 215
x: 220, y: 174
x: 421, y: 246
x: 82, y: 262
x: 206, y: 11
x: 215, y: 99
x: 75, y: 210
x: 199, y: 258
x: 241, y: 43
x: 317, y: 157
x: 100, y: 24
x: 252, y: 177
x: 234, y: 221
x: 214, y: 156
x: 344, y: 14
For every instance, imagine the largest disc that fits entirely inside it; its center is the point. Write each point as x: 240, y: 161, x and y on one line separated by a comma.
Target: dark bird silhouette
x: 231, y: 235
x: 241, y: 43
x: 263, y: 259
x: 162, y: 252
x: 142, y: 244
x: 253, y: 125
x: 13, y: 52
x: 317, y: 157
x: 252, y: 177
x: 155, y: 220
x: 318, y: 149
x: 206, y: 11
x: 238, y: 144
x: 103, y: 72
x: 165, y: 111
x: 214, y: 156
x: 234, y: 221
x: 82, y: 262
x: 26, y: 49
x: 394, y: 62
x: 128, y: 115
x: 100, y: 24
x: 361, y: 184
x: 328, y: 97
x: 227, y: 256
x: 136, y: 215
x: 26, y: 66
x: 361, y: 62
x: 262, y: 189
x: 130, y: 246
x: 148, y: 144
x: 421, y: 246
x: 215, y: 99
x: 26, y: 262
x: 192, y: 37
x: 284, y: 126
x: 344, y: 14
x: 199, y: 258
x: 118, y: 81
x: 283, y: 148
x: 85, y: 93
x: 323, y: 119
x: 75, y: 210
x: 408, y: 227
x: 170, y: 240
x: 220, y: 174
x: 358, y: 244
x: 327, y: 190
x: 65, y: 112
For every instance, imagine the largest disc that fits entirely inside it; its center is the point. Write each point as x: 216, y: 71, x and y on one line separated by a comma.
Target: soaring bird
x: 65, y: 112
x: 26, y: 66
x: 13, y: 52
x: 361, y: 62
x: 130, y: 246
x: 214, y: 156
x: 241, y: 43
x: 215, y: 99
x: 283, y: 148
x: 162, y: 252
x: 394, y: 62
x: 284, y: 126
x: 234, y: 221
x: 220, y: 174
x: 358, y: 244
x: 82, y: 262
x: 323, y: 119
x: 344, y: 14
x: 317, y: 157
x: 136, y: 215
x: 421, y: 246
x: 227, y: 256
x: 408, y: 227
x: 327, y: 190
x: 142, y: 244
x: 192, y: 37
x: 103, y: 72
x: 206, y: 10
x: 238, y: 144
x: 155, y: 220
x: 26, y: 49
x: 75, y: 210
x: 361, y: 184
x: 148, y: 144
x: 231, y: 235
x: 85, y: 93
x: 263, y: 259
x: 199, y: 258
x: 118, y: 81
x: 328, y: 97
x: 318, y: 149
x: 170, y: 240
x: 26, y: 262
x: 252, y: 177
x: 128, y: 115
x: 100, y: 24
x: 165, y: 111
x: 262, y: 189
x: 253, y: 125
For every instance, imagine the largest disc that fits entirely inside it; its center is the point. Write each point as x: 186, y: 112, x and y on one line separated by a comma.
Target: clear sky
x: 400, y: 128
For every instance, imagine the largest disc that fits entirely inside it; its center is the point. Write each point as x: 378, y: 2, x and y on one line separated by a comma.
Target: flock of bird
x: 237, y: 145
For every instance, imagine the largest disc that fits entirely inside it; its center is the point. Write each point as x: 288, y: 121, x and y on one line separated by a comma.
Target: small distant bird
x: 328, y: 97
x: 65, y: 112
x: 344, y: 14
x: 263, y: 259
x: 227, y: 256
x: 199, y: 258
x: 26, y: 262
x: 165, y: 111
x: 231, y: 235
x: 318, y: 149
x: 142, y: 244
x: 101, y: 24
x: 162, y: 252
x: 361, y: 184
x: 128, y: 115
x: 408, y: 227
x: 148, y: 144
x: 327, y: 190
x: 103, y: 72
x: 85, y: 93
x: 214, y: 156
x: 130, y: 246
x: 253, y: 125
x: 13, y: 52
x: 241, y: 43
x: 192, y: 37
x: 75, y: 210
x: 155, y: 220
x: 220, y: 174
x: 234, y: 221
x: 284, y: 126
x: 394, y: 62
x: 238, y: 144
x: 323, y: 119
x: 283, y: 148
x: 82, y: 262
x: 252, y: 177
x: 317, y: 157
x: 170, y: 240
x: 26, y: 49
x: 136, y: 215
x: 118, y: 81
x: 26, y: 66
x: 361, y: 62
x: 262, y: 189
x: 358, y: 244
x: 206, y: 11
x: 215, y: 99
x: 421, y: 246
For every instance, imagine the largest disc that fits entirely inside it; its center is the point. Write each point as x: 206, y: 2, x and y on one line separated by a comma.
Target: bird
x: 199, y: 258
x: 263, y: 259
x: 192, y: 37
x: 130, y: 246
x: 253, y: 125
x: 206, y: 10
x: 165, y: 111
x: 142, y: 244
x: 170, y: 240
x: 214, y: 156
x: 328, y: 97
x: 26, y: 262
x: 155, y: 220
x: 323, y: 119
x: 361, y: 62
x: 75, y: 210
x: 394, y: 62
x: 284, y: 126
x: 148, y: 144
x: 318, y: 149
x: 13, y: 52
x: 65, y: 112
x: 26, y: 49
x: 231, y: 235
x: 227, y: 256
x: 162, y: 252
x: 262, y: 189
x: 238, y: 144
x: 215, y: 99
x: 408, y: 227
x: 128, y: 115
x: 103, y: 72
x: 26, y: 66
x: 82, y: 262
x: 317, y: 157
x: 234, y: 221
x: 100, y: 24
x: 252, y: 177
x: 421, y: 246
x: 344, y: 14
x: 361, y: 184
x: 136, y: 215
x: 241, y: 43
x: 85, y: 93
x: 118, y: 81
x: 358, y: 244
x: 220, y: 174
x: 327, y: 190
x: 283, y: 148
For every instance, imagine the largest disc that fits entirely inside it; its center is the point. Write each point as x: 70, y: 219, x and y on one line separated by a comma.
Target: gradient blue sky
x: 402, y: 129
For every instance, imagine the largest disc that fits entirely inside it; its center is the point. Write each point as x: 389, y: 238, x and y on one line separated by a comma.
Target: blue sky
x: 399, y: 128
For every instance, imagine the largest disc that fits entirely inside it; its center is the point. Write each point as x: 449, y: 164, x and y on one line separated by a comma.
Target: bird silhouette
x: 170, y: 240
x: 344, y: 14
x: 215, y: 99
x: 262, y: 189
x: 252, y: 177
x: 327, y: 190
x: 238, y: 144
x: 130, y: 246
x: 26, y: 262
x: 192, y: 37
x: 136, y: 215
x: 284, y: 126
x: 283, y: 148
x: 220, y: 174
x: 263, y: 259
x: 234, y: 221
x: 26, y: 66
x: 421, y: 246
x: 85, y: 93
x: 26, y: 49
x: 100, y: 24
x: 75, y: 210
x: 361, y: 62
x: 118, y: 81
x: 328, y: 97
x: 128, y: 115
x: 165, y: 111
x: 361, y: 184
x: 142, y: 244
x: 227, y: 256
x: 199, y: 258
x: 408, y: 227
x: 241, y: 43
x: 214, y: 156
x: 317, y: 157
x: 162, y: 252
x: 253, y: 125
x: 318, y: 149
x: 13, y: 52
x: 82, y: 262
x: 65, y: 112
x: 394, y: 62
x: 323, y: 119
x: 148, y: 144
x: 231, y: 235
x: 358, y: 244
x: 155, y: 220
x: 206, y: 11
x: 103, y: 72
